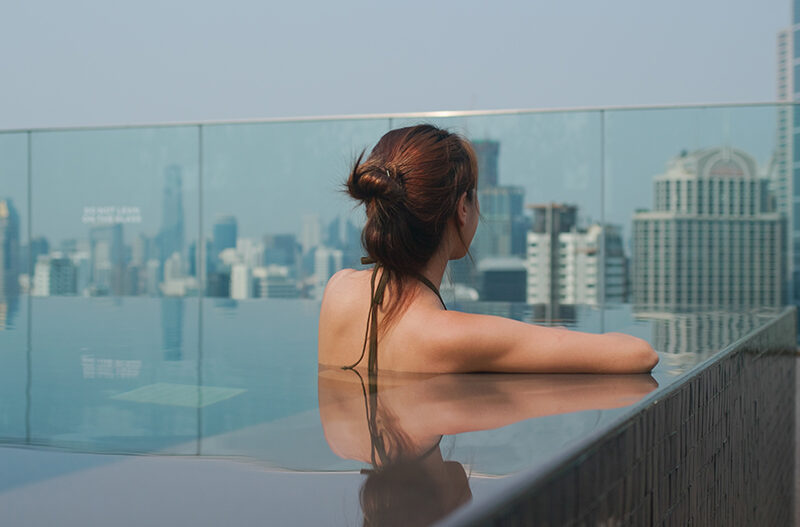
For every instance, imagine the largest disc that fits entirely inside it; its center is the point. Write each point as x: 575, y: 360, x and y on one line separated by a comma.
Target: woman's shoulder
x: 344, y: 292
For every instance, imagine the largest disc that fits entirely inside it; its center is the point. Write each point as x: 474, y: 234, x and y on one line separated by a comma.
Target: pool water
x: 193, y: 412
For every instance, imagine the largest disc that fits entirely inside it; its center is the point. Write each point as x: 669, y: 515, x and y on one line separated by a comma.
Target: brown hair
x: 410, y: 184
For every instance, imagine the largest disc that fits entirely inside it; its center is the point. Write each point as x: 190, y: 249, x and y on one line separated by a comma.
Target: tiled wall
x: 717, y: 449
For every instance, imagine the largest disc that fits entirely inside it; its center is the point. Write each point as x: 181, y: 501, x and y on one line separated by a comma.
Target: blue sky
x: 94, y: 63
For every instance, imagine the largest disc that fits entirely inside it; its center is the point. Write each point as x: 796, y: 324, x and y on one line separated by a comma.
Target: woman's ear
x: 461, y: 210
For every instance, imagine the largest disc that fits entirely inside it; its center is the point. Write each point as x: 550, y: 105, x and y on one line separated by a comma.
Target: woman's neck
x: 434, y: 269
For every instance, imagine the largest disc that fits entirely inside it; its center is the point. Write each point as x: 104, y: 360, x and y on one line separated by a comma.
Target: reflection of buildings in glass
x: 714, y: 238
x: 9, y: 306
x: 560, y: 314
x: 571, y: 265
x: 107, y: 259
x: 170, y: 236
x: 685, y: 339
x: 172, y: 328
x: 9, y: 248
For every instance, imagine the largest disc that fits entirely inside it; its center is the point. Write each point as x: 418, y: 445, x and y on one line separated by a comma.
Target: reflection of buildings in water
x: 9, y: 248
x: 172, y: 327
x: 560, y: 314
x: 9, y: 306
x: 685, y: 339
x: 714, y: 238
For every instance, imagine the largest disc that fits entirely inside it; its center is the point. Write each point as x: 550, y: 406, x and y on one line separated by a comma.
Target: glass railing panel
x: 13, y: 283
x: 118, y: 208
x: 114, y: 213
x: 276, y: 225
x: 276, y: 222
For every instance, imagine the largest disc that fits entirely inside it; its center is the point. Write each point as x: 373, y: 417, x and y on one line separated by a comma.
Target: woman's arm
x: 464, y: 342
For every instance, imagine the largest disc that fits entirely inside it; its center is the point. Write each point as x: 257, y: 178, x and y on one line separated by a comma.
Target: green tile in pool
x: 179, y: 394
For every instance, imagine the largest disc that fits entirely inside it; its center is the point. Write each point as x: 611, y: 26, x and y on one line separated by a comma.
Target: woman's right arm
x: 465, y: 342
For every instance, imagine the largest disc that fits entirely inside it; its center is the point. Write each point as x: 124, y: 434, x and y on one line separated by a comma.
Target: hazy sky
x: 97, y: 62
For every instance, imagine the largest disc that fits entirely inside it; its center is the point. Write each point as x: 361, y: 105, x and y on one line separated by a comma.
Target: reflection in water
x: 9, y: 306
x: 397, y: 427
x: 544, y: 314
x: 172, y: 327
x: 684, y: 339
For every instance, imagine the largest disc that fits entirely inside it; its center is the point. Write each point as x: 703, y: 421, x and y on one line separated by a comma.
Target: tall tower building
x: 9, y: 248
x: 170, y: 236
x: 714, y: 238
x: 224, y: 235
x: 107, y: 256
x: 785, y: 171
x: 487, y: 152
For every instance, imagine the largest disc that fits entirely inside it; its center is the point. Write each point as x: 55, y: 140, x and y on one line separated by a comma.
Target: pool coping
x: 531, y: 481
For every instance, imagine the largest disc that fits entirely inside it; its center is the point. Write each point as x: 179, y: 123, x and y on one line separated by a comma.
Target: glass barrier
x: 14, y: 238
x: 662, y: 208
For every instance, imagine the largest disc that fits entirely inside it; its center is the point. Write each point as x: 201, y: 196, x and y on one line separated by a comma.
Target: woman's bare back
x: 343, y: 322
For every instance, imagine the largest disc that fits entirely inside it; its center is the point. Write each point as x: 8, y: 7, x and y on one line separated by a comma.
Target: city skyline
x: 284, y: 264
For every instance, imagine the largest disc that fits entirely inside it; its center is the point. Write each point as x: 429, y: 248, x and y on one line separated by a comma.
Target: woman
x: 419, y: 187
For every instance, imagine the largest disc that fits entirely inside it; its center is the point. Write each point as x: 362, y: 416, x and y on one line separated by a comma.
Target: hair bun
x: 368, y: 183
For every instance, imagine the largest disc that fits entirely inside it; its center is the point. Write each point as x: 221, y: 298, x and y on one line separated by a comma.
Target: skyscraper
x: 714, y: 238
x: 487, y: 152
x: 107, y: 259
x: 224, y: 232
x: 170, y: 235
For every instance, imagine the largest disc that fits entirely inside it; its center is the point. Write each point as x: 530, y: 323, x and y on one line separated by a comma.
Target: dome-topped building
x: 714, y: 238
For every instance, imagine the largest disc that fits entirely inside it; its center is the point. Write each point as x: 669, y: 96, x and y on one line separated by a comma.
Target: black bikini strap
x: 376, y: 299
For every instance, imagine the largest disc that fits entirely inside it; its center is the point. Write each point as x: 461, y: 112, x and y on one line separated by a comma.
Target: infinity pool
x: 139, y: 411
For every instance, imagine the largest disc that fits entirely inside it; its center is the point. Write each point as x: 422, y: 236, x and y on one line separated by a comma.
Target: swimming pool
x: 176, y: 410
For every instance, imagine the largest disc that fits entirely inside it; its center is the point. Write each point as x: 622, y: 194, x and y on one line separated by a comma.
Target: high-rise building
x: 9, y: 248
x: 714, y: 238
x: 241, y: 280
x: 170, y: 236
x: 785, y: 172
x: 326, y: 262
x: 224, y: 235
x: 503, y: 279
x: 283, y: 250
x: 274, y: 281
x: 568, y: 265
x: 502, y: 229
x: 487, y: 152
x: 54, y: 275
x: 107, y: 259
